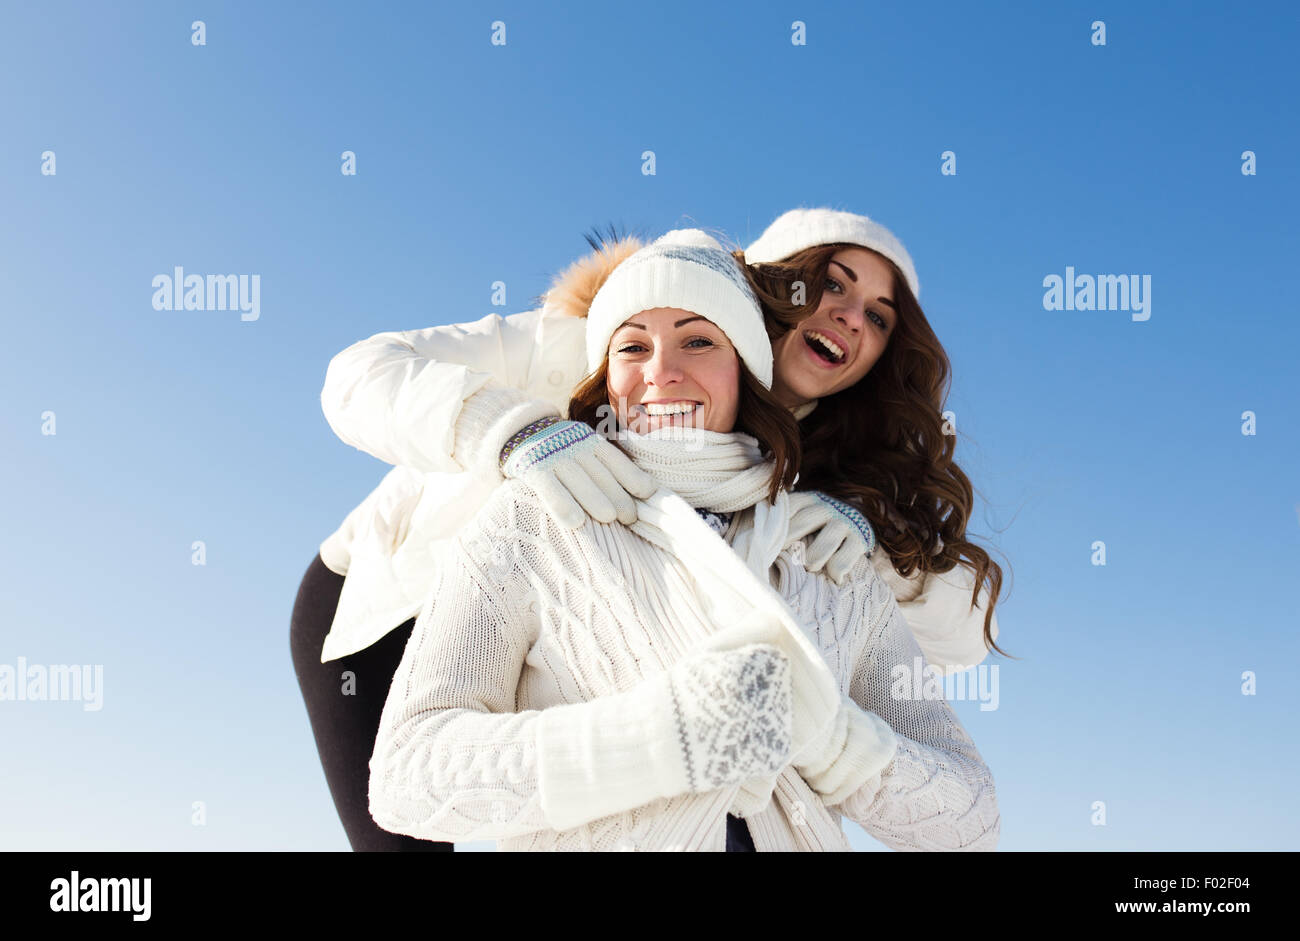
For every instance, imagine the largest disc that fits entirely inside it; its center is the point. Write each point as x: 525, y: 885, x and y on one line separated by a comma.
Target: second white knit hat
x: 687, y: 269
x: 798, y: 229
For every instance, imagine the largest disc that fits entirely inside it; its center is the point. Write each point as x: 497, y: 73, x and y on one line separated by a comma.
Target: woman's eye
x: 880, y: 321
x: 831, y: 281
x: 704, y: 340
x: 630, y: 347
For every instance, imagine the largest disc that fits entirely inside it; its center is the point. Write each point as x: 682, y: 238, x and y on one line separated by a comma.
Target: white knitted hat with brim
x: 689, y: 270
x: 798, y: 229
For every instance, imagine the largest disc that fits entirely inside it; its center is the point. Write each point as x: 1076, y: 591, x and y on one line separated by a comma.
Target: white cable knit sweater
x: 527, y: 616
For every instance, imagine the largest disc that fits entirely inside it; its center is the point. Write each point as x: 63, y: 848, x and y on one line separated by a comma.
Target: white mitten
x: 814, y: 694
x: 814, y: 700
x: 576, y: 472
x: 843, y: 534
x: 716, y: 719
x: 860, y: 746
x: 734, y: 710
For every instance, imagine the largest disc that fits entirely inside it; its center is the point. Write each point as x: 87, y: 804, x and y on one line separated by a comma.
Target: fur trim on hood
x: 575, y: 287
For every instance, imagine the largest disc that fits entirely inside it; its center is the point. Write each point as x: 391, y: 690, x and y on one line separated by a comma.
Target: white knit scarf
x: 724, y: 472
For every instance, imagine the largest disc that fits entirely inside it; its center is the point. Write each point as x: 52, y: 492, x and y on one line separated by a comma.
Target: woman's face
x: 857, y: 313
x: 665, y: 361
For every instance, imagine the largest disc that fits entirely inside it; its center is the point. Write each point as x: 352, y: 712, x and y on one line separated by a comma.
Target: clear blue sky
x: 479, y: 163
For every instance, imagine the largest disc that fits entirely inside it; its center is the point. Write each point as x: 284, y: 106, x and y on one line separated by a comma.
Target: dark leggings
x: 345, y: 726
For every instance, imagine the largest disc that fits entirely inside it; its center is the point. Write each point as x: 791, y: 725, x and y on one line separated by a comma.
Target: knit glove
x: 753, y: 794
x: 852, y: 746
x: 843, y: 534
x: 714, y: 720
x: 836, y: 744
x: 813, y: 698
x: 860, y: 745
x: 576, y: 472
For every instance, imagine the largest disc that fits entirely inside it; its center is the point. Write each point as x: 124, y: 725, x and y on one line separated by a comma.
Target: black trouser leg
x: 345, y: 726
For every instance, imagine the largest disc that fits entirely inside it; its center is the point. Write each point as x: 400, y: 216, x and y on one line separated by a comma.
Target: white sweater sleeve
x: 437, y: 399
x: 454, y: 761
x: 936, y: 792
x: 938, y: 611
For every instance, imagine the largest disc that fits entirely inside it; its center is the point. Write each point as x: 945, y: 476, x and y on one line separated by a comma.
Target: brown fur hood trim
x: 575, y: 287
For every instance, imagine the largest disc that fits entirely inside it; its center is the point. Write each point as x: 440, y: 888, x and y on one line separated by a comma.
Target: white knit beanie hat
x: 687, y: 269
x: 798, y: 229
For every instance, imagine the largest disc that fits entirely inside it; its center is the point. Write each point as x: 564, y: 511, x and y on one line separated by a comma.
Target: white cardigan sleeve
x: 936, y: 792
x: 455, y: 761
x: 439, y: 399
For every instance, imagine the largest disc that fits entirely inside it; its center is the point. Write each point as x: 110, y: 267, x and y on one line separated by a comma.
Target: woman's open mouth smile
x: 824, y: 350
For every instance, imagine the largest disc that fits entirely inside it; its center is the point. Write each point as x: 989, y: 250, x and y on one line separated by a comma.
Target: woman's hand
x: 733, y: 708
x: 576, y: 472
x: 716, y: 719
x: 843, y: 534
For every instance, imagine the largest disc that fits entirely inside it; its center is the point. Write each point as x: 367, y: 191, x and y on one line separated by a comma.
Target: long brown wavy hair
x: 758, y: 413
x: 880, y: 445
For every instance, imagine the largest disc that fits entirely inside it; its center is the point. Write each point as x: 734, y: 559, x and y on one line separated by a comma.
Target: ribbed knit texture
x: 686, y: 269
x: 526, y: 615
x: 723, y: 472
x: 798, y: 229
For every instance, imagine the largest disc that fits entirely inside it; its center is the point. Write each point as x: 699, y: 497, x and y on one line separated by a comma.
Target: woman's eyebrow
x: 853, y: 277
x: 641, y: 326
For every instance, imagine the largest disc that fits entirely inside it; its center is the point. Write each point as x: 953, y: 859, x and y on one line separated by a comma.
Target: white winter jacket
x: 439, y: 403
x: 409, y: 398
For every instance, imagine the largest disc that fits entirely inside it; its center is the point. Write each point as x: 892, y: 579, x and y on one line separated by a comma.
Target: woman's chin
x: 803, y: 389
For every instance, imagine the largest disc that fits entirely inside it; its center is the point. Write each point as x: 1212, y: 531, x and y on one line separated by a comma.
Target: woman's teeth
x: 824, y: 345
x: 672, y: 408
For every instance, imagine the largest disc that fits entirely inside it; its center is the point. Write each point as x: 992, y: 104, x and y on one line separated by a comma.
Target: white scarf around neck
x: 720, y: 471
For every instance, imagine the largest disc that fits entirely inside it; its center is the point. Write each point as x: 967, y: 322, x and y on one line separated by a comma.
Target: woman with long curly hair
x: 685, y: 682
x: 876, y: 438
x: 441, y: 403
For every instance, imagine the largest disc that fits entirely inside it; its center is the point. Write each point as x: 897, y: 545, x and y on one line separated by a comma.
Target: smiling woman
x: 683, y: 681
x: 669, y: 367
x: 839, y: 294
x: 650, y: 368
x: 846, y: 334
x: 494, y: 390
x: 665, y: 360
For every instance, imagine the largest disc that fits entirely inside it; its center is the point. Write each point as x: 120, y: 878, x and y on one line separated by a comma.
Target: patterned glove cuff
x: 523, y: 434
x: 853, y: 516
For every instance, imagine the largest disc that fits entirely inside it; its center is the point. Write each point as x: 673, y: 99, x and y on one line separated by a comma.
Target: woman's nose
x: 662, y: 368
x: 850, y: 318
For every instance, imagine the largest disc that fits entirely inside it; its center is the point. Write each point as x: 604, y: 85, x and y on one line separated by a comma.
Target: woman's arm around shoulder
x: 435, y: 399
